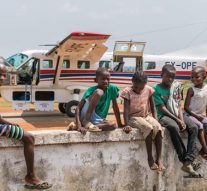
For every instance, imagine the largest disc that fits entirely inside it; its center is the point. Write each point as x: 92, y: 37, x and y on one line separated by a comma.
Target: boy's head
x: 2, y: 73
x: 198, y: 75
x: 102, y: 78
x: 168, y: 74
x: 139, y: 80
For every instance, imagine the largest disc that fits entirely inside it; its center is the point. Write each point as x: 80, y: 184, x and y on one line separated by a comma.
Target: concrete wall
x: 105, y: 161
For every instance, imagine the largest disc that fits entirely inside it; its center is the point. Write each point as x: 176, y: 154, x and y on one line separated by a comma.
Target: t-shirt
x: 198, y: 101
x: 139, y: 103
x: 111, y: 93
x: 160, y: 96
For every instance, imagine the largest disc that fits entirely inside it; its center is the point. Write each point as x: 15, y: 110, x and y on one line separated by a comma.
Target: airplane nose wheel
x: 70, y: 108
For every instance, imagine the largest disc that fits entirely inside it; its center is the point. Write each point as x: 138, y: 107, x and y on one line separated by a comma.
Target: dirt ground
x: 34, y: 120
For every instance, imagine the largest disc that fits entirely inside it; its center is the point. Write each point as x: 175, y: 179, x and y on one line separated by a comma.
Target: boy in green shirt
x: 171, y: 117
x: 92, y: 110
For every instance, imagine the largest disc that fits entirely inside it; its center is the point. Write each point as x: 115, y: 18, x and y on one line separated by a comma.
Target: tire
x: 71, y: 107
x: 61, y: 107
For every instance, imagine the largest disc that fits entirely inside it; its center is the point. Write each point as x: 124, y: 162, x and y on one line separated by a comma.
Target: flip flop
x: 193, y: 176
x: 39, y: 186
x: 92, y: 128
x: 71, y: 127
x: 196, y: 165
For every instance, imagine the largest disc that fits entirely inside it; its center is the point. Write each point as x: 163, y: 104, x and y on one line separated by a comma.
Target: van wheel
x: 71, y: 107
x: 61, y: 107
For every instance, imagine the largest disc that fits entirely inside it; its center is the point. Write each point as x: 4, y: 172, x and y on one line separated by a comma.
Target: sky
x: 164, y: 25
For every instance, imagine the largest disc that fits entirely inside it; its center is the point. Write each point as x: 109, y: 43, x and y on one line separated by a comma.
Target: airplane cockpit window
x: 149, y: 65
x: 82, y: 64
x: 105, y: 64
x: 125, y: 67
x: 17, y: 60
x: 47, y: 64
x: 66, y: 64
x: 121, y: 47
x: 137, y: 48
x: 28, y: 72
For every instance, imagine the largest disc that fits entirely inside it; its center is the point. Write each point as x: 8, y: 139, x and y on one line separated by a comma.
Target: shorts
x: 146, y: 125
x: 11, y: 131
x: 95, y: 119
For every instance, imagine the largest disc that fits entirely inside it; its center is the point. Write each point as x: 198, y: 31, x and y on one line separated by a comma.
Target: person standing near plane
x: 170, y: 116
x: 138, y: 101
x: 196, y: 106
x: 13, y: 131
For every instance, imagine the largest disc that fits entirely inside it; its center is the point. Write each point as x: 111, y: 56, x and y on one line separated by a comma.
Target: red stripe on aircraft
x: 88, y: 36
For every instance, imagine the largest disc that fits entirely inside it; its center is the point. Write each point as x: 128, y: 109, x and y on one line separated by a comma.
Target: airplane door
x: 129, y: 49
x: 28, y: 73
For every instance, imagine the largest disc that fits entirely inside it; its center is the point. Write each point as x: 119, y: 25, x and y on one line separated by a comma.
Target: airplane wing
x: 82, y: 46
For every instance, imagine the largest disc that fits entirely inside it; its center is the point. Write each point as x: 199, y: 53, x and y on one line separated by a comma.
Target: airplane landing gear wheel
x: 70, y: 108
x: 61, y: 107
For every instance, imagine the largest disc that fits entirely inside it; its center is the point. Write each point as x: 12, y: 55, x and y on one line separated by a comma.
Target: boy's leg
x: 148, y: 142
x: 201, y: 138
x: 147, y: 130
x: 173, y: 129
x: 106, y: 126
x: 93, y: 102
x: 158, y: 146
x: 205, y: 131
x: 157, y: 136
x: 28, y: 141
x: 192, y: 130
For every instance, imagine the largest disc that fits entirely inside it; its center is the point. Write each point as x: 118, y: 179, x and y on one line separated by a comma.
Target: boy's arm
x: 187, y: 105
x: 178, y: 119
x: 152, y: 107
x: 116, y: 112
x: 77, y: 117
x: 126, y: 112
x: 126, y: 127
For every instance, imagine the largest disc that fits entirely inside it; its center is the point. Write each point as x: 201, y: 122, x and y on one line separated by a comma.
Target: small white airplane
x: 62, y: 74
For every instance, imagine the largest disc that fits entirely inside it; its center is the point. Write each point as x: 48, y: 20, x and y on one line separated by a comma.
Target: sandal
x: 39, y: 186
x: 71, y: 127
x: 196, y: 165
x: 194, y: 175
x: 92, y: 128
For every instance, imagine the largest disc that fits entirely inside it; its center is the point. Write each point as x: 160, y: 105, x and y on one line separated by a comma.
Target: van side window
x: 66, y: 64
x: 82, y: 64
x: 149, y: 65
x: 104, y: 64
x: 47, y: 64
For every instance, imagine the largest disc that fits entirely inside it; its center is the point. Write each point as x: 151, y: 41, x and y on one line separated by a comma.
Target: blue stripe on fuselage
x: 45, y: 76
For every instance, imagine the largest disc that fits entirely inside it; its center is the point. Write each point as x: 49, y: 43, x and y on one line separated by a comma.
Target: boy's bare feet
x: 152, y: 164
x: 127, y: 129
x: 32, y: 179
x: 161, y: 167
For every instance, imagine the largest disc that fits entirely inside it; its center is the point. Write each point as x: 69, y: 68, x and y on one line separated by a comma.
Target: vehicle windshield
x: 17, y: 60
